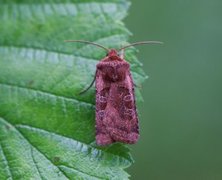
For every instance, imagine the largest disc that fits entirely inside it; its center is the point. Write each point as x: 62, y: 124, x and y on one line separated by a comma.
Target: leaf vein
x: 6, y: 161
x: 32, y: 146
x: 53, y: 51
x: 46, y: 93
x: 36, y: 164
x: 49, y: 158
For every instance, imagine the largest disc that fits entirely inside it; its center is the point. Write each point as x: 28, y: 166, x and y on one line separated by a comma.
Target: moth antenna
x: 141, y: 43
x: 88, y: 42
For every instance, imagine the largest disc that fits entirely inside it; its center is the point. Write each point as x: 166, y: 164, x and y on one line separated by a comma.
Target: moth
x: 116, y: 113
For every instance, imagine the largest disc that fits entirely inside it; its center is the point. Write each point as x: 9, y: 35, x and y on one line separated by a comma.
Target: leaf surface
x: 46, y: 127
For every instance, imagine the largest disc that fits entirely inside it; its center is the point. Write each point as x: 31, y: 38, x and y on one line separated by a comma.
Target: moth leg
x: 84, y: 90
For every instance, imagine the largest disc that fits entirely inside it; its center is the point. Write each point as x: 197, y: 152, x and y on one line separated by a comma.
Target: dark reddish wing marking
x: 116, y: 115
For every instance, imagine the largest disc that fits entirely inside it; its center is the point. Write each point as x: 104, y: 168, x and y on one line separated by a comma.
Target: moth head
x: 113, y: 54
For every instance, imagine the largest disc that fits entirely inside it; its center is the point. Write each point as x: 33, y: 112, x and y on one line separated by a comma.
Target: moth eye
x: 101, y: 113
x: 129, y: 112
x: 102, y: 99
x: 127, y: 98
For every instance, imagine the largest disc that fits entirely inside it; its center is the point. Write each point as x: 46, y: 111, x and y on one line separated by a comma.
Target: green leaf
x: 46, y: 127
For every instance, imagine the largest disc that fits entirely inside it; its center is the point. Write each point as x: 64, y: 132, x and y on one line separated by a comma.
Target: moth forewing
x: 116, y: 116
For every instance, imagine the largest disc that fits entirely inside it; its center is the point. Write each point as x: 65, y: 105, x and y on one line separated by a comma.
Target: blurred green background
x: 181, y: 118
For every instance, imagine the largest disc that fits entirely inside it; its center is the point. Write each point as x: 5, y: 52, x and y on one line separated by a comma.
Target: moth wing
x: 124, y: 114
x: 116, y: 115
x: 102, y: 95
